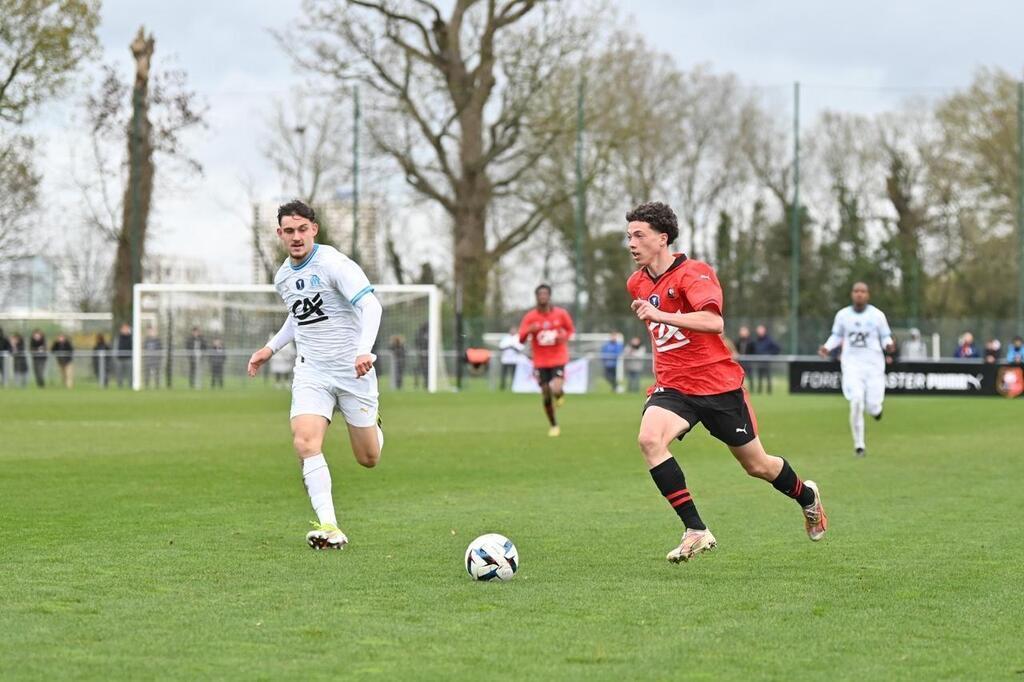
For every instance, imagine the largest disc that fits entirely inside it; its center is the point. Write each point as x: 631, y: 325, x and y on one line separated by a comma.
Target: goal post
x: 245, y: 314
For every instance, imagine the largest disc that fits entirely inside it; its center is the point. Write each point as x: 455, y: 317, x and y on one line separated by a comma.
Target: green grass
x: 160, y: 535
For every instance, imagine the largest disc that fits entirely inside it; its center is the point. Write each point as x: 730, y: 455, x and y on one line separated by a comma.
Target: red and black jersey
x: 550, y: 332
x: 696, y: 363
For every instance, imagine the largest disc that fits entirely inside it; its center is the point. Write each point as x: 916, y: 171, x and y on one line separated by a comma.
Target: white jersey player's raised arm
x: 333, y: 317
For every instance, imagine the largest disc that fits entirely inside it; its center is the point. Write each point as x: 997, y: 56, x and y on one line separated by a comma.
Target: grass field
x: 161, y: 536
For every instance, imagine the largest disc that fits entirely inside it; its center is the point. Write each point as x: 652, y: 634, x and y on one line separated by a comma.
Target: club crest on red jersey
x: 671, y: 292
x: 654, y: 300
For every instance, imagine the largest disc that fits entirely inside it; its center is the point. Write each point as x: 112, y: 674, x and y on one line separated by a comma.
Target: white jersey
x: 863, y: 337
x: 321, y: 293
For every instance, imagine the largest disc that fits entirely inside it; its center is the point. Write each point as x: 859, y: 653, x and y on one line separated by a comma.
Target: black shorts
x: 544, y: 375
x: 727, y: 416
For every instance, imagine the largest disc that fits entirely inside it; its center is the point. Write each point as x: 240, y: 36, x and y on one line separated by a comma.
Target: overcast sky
x: 857, y: 56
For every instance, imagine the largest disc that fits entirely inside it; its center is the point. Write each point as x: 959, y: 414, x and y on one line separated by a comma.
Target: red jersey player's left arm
x: 707, y: 320
x: 700, y: 286
x: 567, y: 326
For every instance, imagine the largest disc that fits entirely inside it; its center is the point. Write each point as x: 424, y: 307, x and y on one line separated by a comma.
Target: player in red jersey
x: 697, y: 381
x: 549, y: 327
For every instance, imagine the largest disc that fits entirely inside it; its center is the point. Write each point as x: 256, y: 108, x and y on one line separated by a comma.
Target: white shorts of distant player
x: 865, y: 385
x: 316, y: 392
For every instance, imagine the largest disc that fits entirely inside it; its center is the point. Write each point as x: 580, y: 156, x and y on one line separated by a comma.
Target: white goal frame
x: 433, y: 316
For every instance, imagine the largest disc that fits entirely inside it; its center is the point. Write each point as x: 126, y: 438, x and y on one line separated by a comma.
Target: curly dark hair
x: 542, y: 286
x: 296, y: 208
x: 659, y: 216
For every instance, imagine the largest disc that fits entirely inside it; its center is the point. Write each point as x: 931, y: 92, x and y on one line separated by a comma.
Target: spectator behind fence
x: 19, y: 363
x: 37, y: 347
x: 764, y: 345
x: 397, y: 348
x: 218, y: 356
x: 151, y: 356
x: 745, y: 346
x: 913, y: 348
x: 610, y: 352
x: 511, y: 351
x: 5, y: 354
x: 195, y: 346
x: 965, y: 346
x: 123, y: 356
x: 422, y: 351
x: 1015, y: 353
x: 101, y: 360
x: 635, y: 359
x: 64, y: 353
x: 992, y: 349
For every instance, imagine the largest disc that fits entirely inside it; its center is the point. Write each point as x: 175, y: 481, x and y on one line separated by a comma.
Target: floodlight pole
x: 355, y: 175
x: 794, y: 232
x: 1020, y: 207
x: 581, y: 205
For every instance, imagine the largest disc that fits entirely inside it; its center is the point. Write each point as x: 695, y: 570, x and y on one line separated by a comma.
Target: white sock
x: 380, y: 439
x: 857, y: 423
x: 317, y: 478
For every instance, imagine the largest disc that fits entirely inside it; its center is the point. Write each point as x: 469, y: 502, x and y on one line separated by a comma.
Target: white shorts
x: 864, y: 384
x: 315, y: 392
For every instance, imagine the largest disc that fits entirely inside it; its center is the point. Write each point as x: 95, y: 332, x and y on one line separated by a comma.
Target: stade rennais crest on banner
x: 1010, y: 381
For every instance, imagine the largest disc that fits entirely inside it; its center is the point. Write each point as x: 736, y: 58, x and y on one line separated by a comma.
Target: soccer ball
x: 492, y: 557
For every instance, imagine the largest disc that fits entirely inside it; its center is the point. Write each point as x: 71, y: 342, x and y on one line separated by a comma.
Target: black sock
x: 669, y: 479
x: 790, y: 485
x: 549, y: 409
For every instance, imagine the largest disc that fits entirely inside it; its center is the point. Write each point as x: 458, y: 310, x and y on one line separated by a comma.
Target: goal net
x: 201, y: 335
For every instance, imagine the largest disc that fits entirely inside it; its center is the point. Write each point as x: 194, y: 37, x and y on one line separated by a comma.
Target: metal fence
x: 184, y: 370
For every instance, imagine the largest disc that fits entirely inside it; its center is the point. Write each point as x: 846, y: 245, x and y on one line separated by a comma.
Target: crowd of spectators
x: 108, y: 360
x: 759, y: 373
x: 992, y: 351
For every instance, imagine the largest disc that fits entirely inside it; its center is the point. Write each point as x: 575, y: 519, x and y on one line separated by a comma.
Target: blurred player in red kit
x: 696, y: 380
x: 549, y: 328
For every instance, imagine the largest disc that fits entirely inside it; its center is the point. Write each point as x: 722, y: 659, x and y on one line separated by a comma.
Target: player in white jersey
x: 333, y: 317
x: 863, y: 332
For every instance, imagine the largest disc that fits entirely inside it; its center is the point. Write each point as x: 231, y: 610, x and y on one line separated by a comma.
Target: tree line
x: 475, y: 105
x: 472, y: 104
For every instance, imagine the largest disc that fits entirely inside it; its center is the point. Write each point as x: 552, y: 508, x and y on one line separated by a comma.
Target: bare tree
x: 85, y: 266
x: 154, y: 119
x: 451, y: 85
x: 306, y: 144
x: 710, y: 152
x: 138, y: 193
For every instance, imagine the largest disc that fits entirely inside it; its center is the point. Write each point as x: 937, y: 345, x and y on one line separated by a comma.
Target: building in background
x: 169, y: 269
x: 29, y: 283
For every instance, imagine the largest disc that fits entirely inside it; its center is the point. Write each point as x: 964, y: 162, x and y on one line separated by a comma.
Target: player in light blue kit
x: 863, y: 332
x: 333, y: 317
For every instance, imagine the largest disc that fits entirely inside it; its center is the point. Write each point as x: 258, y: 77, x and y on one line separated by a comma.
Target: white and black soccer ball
x: 492, y: 557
